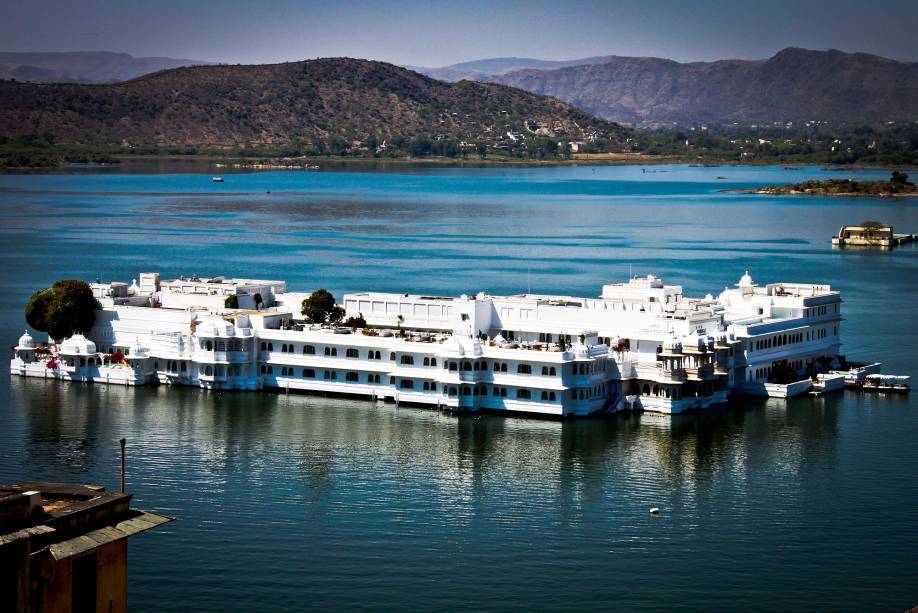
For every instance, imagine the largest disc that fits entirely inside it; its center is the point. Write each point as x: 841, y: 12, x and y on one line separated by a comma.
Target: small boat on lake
x: 217, y: 179
x: 886, y: 383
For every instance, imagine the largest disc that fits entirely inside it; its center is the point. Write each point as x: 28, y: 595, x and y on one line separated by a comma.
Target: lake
x: 298, y: 502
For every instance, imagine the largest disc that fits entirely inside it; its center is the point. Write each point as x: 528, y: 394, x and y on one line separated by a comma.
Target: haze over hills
x: 793, y: 85
x: 83, y: 67
x: 483, y: 70
x: 284, y: 104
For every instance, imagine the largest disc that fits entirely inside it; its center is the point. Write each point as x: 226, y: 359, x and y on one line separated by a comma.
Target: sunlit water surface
x: 297, y: 502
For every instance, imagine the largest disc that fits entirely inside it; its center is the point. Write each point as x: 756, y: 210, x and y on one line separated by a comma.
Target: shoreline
x: 319, y: 163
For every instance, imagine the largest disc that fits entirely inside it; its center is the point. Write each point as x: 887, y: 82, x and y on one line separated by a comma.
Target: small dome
x: 78, y: 344
x: 26, y: 341
x: 580, y: 350
x: 745, y: 280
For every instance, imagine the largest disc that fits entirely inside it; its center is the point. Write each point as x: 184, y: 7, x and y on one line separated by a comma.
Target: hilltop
x: 794, y: 85
x: 336, y: 103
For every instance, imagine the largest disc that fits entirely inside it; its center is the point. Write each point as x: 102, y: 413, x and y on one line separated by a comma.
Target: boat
x: 217, y: 179
x: 886, y: 383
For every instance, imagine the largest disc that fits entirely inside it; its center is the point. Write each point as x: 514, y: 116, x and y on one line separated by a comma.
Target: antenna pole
x: 123, y: 442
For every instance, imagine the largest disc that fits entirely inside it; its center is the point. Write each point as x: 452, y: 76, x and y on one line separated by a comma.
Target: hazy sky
x: 439, y: 33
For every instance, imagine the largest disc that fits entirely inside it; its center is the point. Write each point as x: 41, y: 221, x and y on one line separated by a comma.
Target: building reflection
x: 310, y: 449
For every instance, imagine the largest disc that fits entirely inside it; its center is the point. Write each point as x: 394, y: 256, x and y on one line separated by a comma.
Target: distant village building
x: 64, y: 547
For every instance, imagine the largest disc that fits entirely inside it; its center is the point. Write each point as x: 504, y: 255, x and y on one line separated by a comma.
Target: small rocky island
x: 897, y: 185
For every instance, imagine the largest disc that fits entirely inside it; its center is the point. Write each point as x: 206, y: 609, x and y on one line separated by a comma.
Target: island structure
x: 639, y: 345
x: 870, y: 234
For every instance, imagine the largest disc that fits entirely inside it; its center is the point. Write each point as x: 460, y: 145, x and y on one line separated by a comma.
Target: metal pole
x: 123, y: 442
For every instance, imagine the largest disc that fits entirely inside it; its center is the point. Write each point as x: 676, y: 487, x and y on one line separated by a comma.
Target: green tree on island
x: 62, y: 310
x: 320, y: 308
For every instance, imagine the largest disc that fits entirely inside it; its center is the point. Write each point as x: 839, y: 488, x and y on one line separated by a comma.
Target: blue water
x: 297, y: 502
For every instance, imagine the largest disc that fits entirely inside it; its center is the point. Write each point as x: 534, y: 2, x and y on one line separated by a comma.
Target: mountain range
x: 83, y: 67
x: 285, y: 104
x: 793, y: 85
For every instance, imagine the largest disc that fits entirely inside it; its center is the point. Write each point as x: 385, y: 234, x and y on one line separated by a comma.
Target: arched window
x: 551, y: 396
x: 208, y: 346
x: 208, y: 371
x: 523, y: 394
x: 309, y: 373
x: 545, y: 372
x: 270, y: 369
x: 544, y: 395
x: 453, y: 366
x: 352, y: 377
x: 426, y: 363
x: 496, y: 367
x: 503, y: 367
x: 466, y: 391
x: 552, y: 372
x: 524, y: 369
x: 645, y: 390
x: 309, y: 350
x: 466, y: 365
x: 407, y: 360
x: 352, y: 353
x: 433, y: 361
x: 406, y: 384
x: 270, y: 346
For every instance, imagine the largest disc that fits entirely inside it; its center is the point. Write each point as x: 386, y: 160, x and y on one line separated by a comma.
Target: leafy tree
x: 356, y: 322
x: 231, y: 302
x: 320, y: 308
x: 66, y: 308
x: 899, y: 177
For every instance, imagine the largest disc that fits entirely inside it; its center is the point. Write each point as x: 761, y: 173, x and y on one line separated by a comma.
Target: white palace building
x: 640, y: 345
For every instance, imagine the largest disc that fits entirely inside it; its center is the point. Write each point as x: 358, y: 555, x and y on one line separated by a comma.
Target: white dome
x: 26, y: 341
x: 745, y: 280
x: 78, y: 344
x: 580, y: 350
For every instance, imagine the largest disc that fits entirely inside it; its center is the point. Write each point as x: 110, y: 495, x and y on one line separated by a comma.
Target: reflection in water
x: 292, y: 502
x: 262, y: 437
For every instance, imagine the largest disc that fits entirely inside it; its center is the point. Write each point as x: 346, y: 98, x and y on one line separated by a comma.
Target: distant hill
x: 794, y: 85
x: 483, y: 70
x: 284, y: 104
x: 83, y: 67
